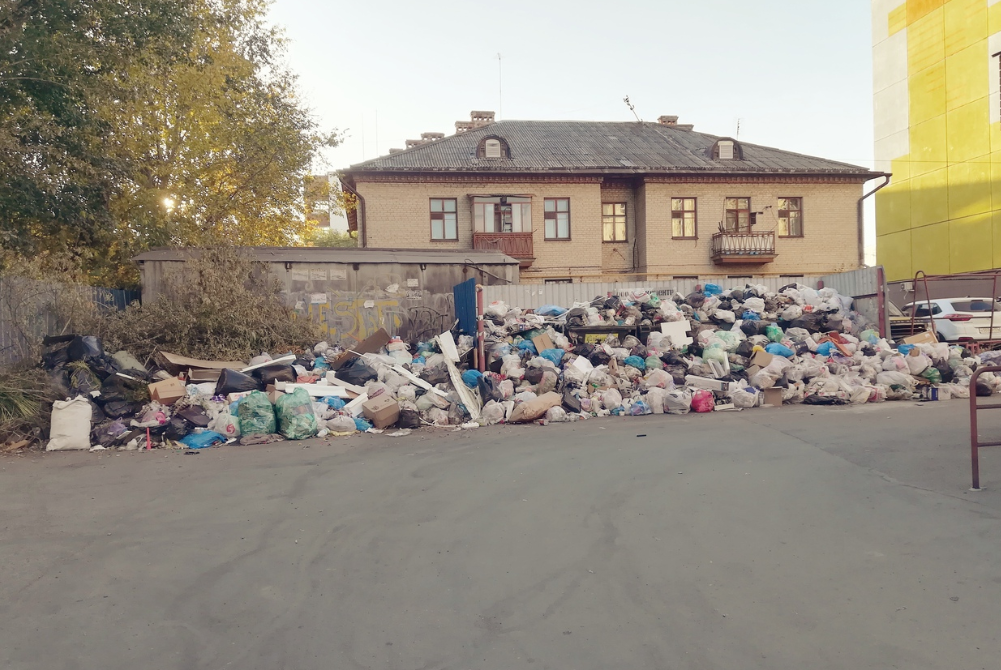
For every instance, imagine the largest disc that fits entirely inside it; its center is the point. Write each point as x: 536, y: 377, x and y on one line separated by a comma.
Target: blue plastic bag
x: 550, y: 310
x: 640, y: 408
x: 333, y: 402
x: 526, y: 345
x: 471, y: 378
x: 712, y: 289
x: 776, y: 349
x: 636, y: 362
x: 321, y: 365
x: 905, y: 349
x: 826, y: 349
x: 361, y: 425
x: 554, y: 355
x: 202, y: 440
x: 421, y: 360
x: 751, y: 316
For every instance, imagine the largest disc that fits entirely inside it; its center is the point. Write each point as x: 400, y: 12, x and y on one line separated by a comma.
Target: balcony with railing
x: 743, y: 248
x: 515, y: 245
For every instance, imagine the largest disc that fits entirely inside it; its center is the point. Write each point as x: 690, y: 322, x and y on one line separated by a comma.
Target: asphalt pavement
x: 776, y: 538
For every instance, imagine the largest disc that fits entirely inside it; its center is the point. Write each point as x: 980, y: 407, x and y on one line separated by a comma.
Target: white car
x: 958, y: 319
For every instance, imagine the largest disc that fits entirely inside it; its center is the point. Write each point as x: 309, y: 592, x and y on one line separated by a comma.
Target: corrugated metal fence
x: 533, y: 296
x: 28, y: 312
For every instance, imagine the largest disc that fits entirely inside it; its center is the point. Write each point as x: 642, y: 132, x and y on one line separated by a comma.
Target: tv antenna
x: 737, y: 137
x: 631, y: 108
x: 500, y: 87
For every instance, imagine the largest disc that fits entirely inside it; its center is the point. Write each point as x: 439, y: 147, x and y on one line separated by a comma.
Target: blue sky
x: 797, y: 74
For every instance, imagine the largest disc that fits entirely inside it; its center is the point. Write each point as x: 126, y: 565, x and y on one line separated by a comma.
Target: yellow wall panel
x: 967, y: 249
x: 969, y: 189
x: 994, y: 19
x: 996, y: 185
x: 901, y: 168
x: 996, y: 225
x: 930, y: 198
x: 918, y: 9
x: 928, y: 93
x: 966, y: 75
x: 965, y: 23
x: 897, y: 19
x: 925, y: 43
x: 928, y: 146
x: 968, y: 132
x: 893, y: 252
x: 893, y: 208
x: 930, y: 249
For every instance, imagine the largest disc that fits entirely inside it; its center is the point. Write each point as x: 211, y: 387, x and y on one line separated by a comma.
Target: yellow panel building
x: 937, y: 103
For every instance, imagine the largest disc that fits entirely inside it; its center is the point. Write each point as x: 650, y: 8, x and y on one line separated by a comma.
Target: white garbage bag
x: 70, y: 427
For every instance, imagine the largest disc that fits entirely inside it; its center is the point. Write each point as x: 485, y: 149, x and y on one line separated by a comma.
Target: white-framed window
x: 444, y: 219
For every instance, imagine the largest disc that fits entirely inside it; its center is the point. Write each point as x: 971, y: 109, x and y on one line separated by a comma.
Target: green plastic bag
x: 296, y: 420
x: 773, y: 332
x: 714, y: 353
x: 932, y: 374
x: 257, y: 416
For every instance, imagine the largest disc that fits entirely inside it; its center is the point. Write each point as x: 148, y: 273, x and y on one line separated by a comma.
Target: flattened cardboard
x: 543, y: 342
x: 926, y: 337
x: 761, y: 359
x: 370, y: 345
x: 383, y: 411
x: 167, y: 392
x: 196, y: 376
x: 174, y: 363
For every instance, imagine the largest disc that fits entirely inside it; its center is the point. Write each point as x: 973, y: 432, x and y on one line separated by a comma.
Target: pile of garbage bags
x: 712, y: 350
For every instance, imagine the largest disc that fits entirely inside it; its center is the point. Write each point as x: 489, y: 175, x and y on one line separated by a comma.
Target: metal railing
x: 743, y: 244
x: 975, y: 443
x: 515, y: 245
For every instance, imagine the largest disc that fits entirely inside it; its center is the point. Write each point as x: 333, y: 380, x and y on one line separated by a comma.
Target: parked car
x: 956, y: 319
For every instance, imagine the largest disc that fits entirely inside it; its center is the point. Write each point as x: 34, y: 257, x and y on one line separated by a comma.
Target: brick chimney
x: 476, y: 120
x: 667, y: 120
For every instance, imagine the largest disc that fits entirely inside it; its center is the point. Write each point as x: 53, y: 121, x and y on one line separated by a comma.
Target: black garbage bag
x: 584, y: 350
x: 232, y: 381
x: 108, y: 433
x: 270, y: 374
x: 943, y: 369
x: 112, y: 389
x: 305, y: 362
x: 436, y: 375
x: 97, y: 414
x: 677, y: 373
x: 489, y: 389
x: 749, y: 328
x: 672, y: 358
x: 832, y: 322
x: 695, y: 299
x: 823, y: 400
x: 409, y: 418
x: 750, y: 293
x: 56, y: 356
x: 103, y: 366
x: 612, y: 303
x: 83, y: 381
x: 737, y: 294
x: 983, y: 389
x: 695, y: 349
x: 787, y: 286
x: 357, y: 372
x: 496, y: 366
x: 745, y: 348
x: 571, y: 402
x: 196, y: 416
x: 639, y: 350
x: 811, y: 322
x: 177, y: 428
x: 85, y: 348
x: 116, y: 409
x: 59, y: 382
x: 534, y: 375
x: 599, y: 357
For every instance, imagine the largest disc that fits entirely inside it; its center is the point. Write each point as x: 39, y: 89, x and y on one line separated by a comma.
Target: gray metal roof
x: 596, y: 146
x: 341, y: 255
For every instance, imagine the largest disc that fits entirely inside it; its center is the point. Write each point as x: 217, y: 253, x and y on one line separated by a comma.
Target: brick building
x: 596, y: 201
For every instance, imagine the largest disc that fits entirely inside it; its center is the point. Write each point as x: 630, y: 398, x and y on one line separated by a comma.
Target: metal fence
x: 28, y: 312
x: 533, y: 296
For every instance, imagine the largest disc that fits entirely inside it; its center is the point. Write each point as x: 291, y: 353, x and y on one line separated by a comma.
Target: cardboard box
x: 196, y: 376
x: 370, y: 345
x: 773, y: 398
x: 174, y: 363
x: 167, y: 392
x: 761, y: 359
x: 926, y: 337
x: 543, y: 342
x: 708, y: 384
x: 383, y: 411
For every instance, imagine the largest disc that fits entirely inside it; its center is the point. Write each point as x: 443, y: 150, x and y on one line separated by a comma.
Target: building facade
x: 594, y: 201
x: 937, y: 102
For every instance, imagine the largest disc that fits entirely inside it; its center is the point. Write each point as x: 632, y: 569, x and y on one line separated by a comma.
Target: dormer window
x: 727, y: 149
x: 493, y: 147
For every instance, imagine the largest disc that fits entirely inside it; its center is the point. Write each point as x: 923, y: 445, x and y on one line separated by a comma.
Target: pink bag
x: 703, y: 401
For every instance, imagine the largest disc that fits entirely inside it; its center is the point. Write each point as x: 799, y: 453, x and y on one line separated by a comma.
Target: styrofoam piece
x: 469, y: 399
x: 278, y: 361
x: 582, y: 364
x: 447, y: 345
x: 355, y: 406
x: 678, y: 332
x: 315, y: 390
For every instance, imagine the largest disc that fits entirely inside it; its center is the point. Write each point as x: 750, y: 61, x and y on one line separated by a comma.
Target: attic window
x: 493, y: 147
x: 727, y: 150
